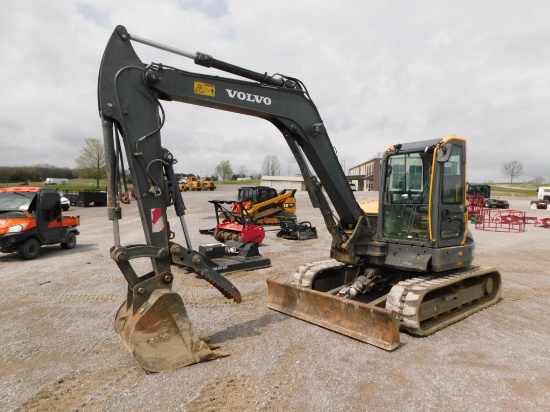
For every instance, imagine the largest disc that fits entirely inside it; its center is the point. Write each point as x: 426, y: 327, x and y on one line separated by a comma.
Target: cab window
x: 452, y: 189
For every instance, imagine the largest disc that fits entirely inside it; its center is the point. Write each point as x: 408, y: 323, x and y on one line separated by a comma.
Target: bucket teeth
x: 221, y: 283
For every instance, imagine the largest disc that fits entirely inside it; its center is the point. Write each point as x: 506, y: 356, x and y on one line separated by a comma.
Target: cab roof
x: 21, y: 189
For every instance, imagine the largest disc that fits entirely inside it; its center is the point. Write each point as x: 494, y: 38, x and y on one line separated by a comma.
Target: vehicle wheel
x: 65, y: 208
x: 29, y: 249
x: 70, y: 242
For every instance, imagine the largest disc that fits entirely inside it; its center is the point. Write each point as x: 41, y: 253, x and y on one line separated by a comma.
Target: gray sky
x: 380, y: 72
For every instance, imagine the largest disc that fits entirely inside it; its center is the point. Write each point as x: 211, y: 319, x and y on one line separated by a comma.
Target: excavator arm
x: 129, y: 97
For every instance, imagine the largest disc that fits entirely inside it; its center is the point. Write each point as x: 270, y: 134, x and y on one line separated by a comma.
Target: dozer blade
x: 160, y: 336
x: 367, y: 323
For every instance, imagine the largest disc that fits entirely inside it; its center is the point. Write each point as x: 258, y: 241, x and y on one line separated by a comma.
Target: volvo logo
x: 254, y: 98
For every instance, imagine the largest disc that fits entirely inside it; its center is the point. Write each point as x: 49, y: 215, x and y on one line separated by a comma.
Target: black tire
x: 29, y: 249
x: 65, y: 208
x: 70, y: 242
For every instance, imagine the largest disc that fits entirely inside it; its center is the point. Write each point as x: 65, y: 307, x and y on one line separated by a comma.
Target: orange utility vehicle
x: 31, y: 217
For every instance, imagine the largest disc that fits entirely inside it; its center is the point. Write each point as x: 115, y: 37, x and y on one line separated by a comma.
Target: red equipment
x: 235, y: 226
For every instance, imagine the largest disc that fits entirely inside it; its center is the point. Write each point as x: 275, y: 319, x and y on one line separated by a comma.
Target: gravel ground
x: 60, y: 352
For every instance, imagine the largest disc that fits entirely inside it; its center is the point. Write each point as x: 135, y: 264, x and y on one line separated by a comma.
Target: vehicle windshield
x: 16, y: 201
x: 406, y: 196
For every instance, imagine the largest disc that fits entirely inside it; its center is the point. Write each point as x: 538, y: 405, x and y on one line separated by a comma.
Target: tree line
x: 91, y: 164
x: 37, y: 173
x: 270, y: 167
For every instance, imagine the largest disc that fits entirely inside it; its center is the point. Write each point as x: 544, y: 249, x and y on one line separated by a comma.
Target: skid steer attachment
x: 367, y: 323
x: 291, y: 229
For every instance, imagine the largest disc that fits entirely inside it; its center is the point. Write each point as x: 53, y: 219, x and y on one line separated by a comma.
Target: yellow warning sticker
x: 205, y: 89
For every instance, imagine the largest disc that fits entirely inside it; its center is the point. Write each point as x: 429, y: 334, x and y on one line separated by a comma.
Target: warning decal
x: 157, y: 222
x: 205, y: 89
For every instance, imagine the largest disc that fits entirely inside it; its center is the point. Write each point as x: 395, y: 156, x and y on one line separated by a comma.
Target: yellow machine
x: 208, y: 184
x: 264, y: 205
x: 192, y: 184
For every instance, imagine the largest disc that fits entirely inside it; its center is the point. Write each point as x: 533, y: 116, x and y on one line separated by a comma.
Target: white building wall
x: 284, y: 182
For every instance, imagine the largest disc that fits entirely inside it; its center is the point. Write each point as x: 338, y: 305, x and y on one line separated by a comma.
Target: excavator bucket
x: 160, y: 336
x: 367, y: 323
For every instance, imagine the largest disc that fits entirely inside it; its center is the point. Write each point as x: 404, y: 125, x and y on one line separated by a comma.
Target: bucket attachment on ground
x: 291, y: 229
x: 160, y: 336
x: 367, y: 323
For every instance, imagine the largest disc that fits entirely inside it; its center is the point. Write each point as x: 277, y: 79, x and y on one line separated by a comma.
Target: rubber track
x: 406, y: 298
x: 305, y: 274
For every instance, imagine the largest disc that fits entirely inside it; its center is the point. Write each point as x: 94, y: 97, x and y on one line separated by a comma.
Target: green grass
x: 514, y: 191
x: 74, y: 185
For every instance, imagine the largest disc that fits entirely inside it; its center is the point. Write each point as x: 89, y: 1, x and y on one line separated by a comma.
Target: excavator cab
x: 406, y: 197
x: 422, y: 196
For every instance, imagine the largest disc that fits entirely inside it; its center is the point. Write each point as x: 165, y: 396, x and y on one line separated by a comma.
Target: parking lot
x: 61, y: 353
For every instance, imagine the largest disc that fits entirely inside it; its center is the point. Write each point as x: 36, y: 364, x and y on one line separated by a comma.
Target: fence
x: 501, y: 220
x: 86, y: 198
x: 475, y: 206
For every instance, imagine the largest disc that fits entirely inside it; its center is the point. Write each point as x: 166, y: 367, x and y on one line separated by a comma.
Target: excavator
x: 405, y: 263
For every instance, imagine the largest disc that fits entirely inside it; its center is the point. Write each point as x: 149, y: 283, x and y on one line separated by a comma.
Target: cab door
x: 49, y: 216
x: 450, y: 214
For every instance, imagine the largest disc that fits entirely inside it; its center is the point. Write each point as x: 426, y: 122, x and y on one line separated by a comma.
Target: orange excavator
x: 405, y: 263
